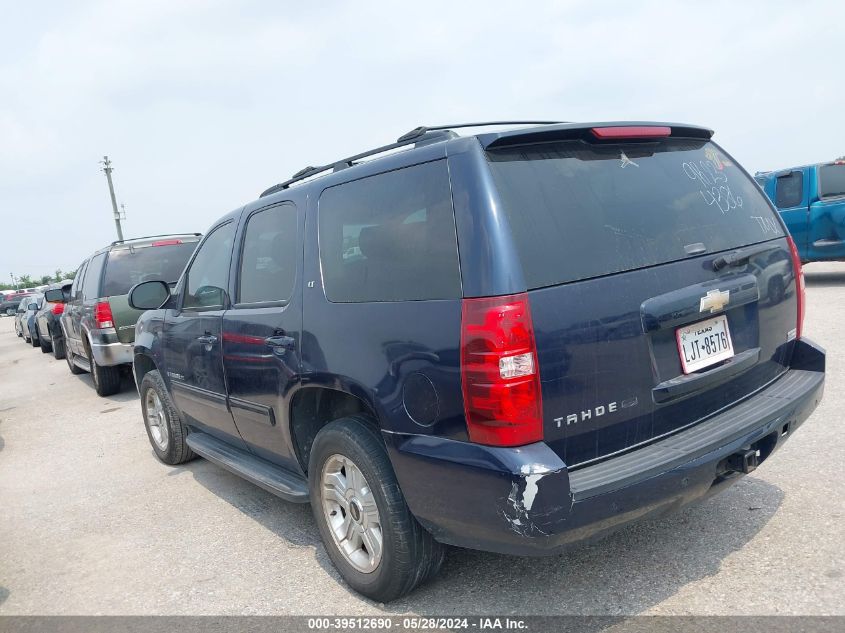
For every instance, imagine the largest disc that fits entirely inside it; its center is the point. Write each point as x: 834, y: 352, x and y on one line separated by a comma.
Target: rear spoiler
x: 595, y: 132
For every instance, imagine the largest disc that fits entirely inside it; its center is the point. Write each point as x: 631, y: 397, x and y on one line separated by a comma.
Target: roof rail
x: 419, y: 135
x: 148, y: 237
x: 419, y: 131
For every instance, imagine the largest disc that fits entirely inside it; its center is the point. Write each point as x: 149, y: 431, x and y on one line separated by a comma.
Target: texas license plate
x: 704, y: 343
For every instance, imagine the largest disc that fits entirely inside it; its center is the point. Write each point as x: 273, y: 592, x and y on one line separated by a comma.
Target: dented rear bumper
x: 525, y: 501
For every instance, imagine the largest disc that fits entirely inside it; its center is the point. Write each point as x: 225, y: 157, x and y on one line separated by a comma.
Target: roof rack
x: 149, y: 237
x: 419, y: 136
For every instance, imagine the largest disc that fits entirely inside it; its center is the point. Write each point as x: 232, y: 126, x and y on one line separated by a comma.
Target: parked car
x: 98, y: 326
x: 811, y: 201
x: 10, y: 303
x: 510, y: 341
x: 48, y: 321
x: 25, y: 318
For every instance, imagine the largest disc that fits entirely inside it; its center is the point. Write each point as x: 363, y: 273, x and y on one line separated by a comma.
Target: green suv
x: 98, y: 324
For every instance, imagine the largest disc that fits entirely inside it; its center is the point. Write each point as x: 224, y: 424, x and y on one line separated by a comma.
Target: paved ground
x: 92, y: 523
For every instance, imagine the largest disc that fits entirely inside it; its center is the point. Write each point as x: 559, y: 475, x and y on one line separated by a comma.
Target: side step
x: 262, y: 473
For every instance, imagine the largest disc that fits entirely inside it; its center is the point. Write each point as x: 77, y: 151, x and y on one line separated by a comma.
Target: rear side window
x: 91, y: 285
x: 131, y: 265
x: 77, y: 281
x: 790, y: 190
x: 579, y: 210
x: 390, y: 237
x: 832, y: 181
x: 270, y: 253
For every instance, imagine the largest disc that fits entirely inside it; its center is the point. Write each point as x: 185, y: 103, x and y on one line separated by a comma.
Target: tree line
x: 30, y: 281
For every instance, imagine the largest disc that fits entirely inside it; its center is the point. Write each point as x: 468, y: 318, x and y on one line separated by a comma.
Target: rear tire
x: 46, y: 346
x: 58, y: 348
x: 106, y: 379
x: 164, y: 426
x: 403, y: 554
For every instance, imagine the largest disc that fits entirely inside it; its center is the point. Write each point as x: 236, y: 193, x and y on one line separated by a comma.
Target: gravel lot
x: 92, y: 523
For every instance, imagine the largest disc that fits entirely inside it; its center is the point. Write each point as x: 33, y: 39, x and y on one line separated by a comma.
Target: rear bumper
x: 525, y: 501
x: 108, y: 351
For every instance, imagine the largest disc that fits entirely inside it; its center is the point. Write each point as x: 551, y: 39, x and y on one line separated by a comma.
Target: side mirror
x: 32, y: 307
x: 149, y: 295
x: 54, y: 296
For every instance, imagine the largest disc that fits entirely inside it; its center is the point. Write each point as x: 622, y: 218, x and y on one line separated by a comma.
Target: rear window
x: 579, y: 210
x: 831, y: 181
x: 129, y: 266
x: 390, y: 237
x: 790, y: 190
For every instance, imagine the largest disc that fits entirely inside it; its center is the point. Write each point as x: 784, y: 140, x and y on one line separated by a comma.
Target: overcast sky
x: 202, y: 105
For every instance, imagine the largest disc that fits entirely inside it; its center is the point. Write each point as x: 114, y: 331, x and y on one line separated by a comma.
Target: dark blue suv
x: 509, y: 341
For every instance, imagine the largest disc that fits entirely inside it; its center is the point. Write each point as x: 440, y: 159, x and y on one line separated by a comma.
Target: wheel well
x: 143, y: 364
x: 313, y: 408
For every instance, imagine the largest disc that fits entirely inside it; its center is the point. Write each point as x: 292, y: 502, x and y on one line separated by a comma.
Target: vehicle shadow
x: 625, y: 573
x: 128, y: 392
x: 4, y: 594
x: 824, y: 279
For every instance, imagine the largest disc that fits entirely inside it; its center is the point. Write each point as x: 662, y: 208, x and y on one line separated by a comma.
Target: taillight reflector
x: 102, y: 315
x: 166, y: 242
x: 499, y: 372
x: 800, y: 295
x: 58, y: 308
x: 632, y: 131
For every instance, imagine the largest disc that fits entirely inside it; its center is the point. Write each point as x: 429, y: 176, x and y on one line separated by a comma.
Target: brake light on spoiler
x: 632, y: 132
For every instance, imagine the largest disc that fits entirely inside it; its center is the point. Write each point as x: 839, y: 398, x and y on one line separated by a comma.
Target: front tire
x: 58, y: 348
x: 164, y: 426
x: 33, y: 339
x: 368, y: 531
x: 69, y: 357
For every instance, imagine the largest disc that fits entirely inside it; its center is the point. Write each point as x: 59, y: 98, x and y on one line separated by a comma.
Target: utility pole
x: 108, y: 169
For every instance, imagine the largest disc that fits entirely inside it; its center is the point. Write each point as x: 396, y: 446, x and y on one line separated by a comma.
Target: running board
x: 828, y: 243
x: 272, y: 478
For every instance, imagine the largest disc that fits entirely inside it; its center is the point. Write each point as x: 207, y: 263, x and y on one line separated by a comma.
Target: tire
x: 106, y: 378
x: 46, y: 346
x: 156, y: 405
x: 58, y: 348
x: 409, y: 555
x: 33, y: 339
x: 74, y: 368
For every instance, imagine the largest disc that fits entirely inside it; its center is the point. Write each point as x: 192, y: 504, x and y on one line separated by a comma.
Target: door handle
x: 207, y: 339
x: 280, y: 344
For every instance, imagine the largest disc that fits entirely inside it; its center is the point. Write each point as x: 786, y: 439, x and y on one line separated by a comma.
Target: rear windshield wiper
x: 740, y: 256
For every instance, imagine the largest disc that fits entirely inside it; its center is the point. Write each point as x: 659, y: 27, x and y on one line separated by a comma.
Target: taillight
x: 499, y: 372
x: 58, y: 308
x: 799, y: 285
x: 102, y: 315
x: 632, y: 131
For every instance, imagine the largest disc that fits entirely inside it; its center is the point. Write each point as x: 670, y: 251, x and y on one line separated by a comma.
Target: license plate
x: 704, y: 343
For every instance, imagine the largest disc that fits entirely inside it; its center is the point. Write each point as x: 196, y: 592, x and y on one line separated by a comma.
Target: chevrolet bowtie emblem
x: 714, y: 300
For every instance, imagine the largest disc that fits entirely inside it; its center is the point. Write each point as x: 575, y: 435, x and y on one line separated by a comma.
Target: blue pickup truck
x: 811, y: 201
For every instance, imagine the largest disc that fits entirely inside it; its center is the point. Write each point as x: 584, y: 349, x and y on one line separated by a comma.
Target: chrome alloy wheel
x: 351, y: 513
x: 156, y: 419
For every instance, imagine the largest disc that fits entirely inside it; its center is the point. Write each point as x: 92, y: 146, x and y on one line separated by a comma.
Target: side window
x: 390, y: 237
x: 75, y: 289
x: 208, y: 275
x: 790, y: 190
x: 91, y: 285
x: 269, y: 256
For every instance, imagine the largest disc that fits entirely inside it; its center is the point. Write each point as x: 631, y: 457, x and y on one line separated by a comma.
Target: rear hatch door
x: 131, y: 264
x: 660, y: 284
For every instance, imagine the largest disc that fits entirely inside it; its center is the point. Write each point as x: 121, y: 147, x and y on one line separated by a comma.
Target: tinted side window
x: 790, y: 190
x: 269, y: 256
x: 75, y: 290
x: 91, y: 285
x: 390, y: 237
x: 208, y: 276
x: 832, y: 180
